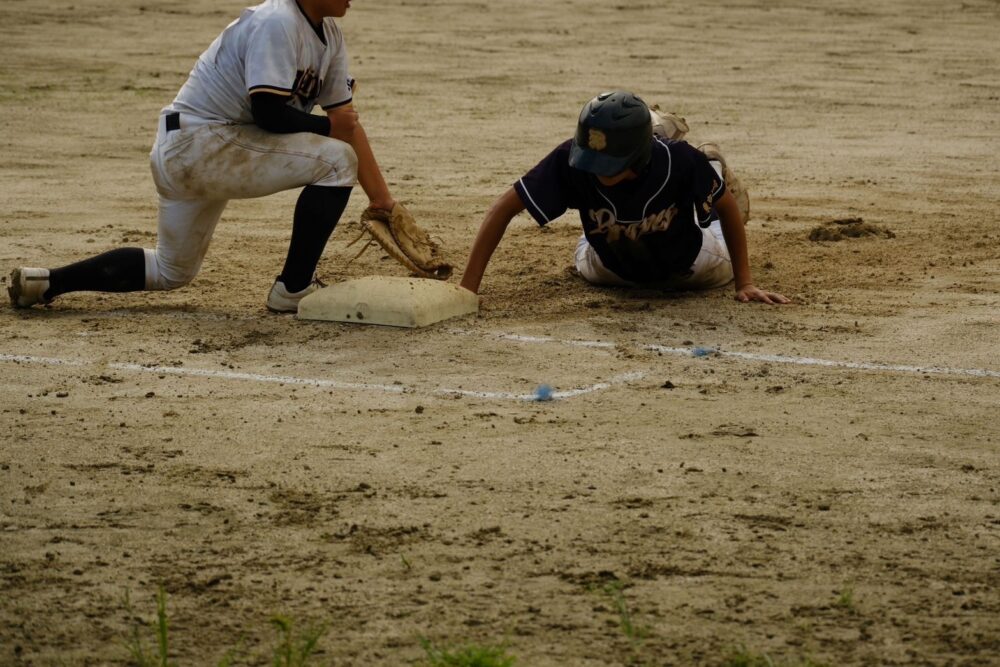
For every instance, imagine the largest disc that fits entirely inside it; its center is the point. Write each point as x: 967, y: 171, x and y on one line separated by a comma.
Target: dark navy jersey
x: 646, y: 229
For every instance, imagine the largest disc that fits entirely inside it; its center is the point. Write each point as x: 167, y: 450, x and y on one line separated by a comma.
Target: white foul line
x: 257, y: 377
x: 859, y: 365
x: 506, y: 395
x: 681, y: 351
x: 568, y: 393
x: 315, y: 382
x: 751, y: 356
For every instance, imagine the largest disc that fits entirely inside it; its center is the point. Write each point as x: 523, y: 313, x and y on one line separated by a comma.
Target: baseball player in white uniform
x: 241, y: 127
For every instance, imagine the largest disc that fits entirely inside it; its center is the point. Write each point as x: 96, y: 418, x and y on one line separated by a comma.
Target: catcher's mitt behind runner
x: 398, y: 234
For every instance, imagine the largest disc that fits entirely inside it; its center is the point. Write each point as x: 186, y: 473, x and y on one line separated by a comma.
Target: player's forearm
x: 369, y: 175
x: 734, y: 231
x: 488, y: 237
x: 272, y: 113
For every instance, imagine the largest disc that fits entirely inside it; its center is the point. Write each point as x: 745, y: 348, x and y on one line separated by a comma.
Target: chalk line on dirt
x: 652, y: 347
x: 258, y: 377
x: 749, y: 356
x: 315, y: 382
x: 504, y: 395
x: 624, y: 378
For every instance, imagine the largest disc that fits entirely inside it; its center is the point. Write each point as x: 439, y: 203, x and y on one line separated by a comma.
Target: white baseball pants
x: 198, y: 168
x: 712, y: 267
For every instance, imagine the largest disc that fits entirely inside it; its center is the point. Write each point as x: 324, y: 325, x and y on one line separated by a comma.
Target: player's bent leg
x: 119, y: 270
x: 592, y: 269
x: 184, y: 232
x: 243, y: 161
x: 286, y: 161
x: 317, y: 212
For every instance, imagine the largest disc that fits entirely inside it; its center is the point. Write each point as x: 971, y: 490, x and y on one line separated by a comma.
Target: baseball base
x: 389, y: 301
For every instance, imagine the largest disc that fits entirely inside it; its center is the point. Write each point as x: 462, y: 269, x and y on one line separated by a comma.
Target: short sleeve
x: 271, y: 64
x: 338, y: 86
x: 545, y: 190
x: 707, y: 186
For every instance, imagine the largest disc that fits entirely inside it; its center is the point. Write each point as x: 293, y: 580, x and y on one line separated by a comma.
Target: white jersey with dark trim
x: 272, y: 48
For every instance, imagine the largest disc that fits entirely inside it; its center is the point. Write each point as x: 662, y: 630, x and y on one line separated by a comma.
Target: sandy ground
x: 395, y: 484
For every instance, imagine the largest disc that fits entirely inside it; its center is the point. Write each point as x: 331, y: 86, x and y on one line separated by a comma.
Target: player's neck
x: 311, y: 12
x: 611, y: 181
x: 316, y: 24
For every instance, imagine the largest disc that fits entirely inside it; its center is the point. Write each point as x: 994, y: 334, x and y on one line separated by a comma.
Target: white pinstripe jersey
x: 271, y: 47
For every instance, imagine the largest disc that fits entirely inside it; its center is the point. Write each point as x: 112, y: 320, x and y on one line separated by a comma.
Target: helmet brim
x: 597, y: 163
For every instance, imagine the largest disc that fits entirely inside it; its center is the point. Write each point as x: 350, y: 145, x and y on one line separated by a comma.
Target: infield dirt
x: 394, y: 484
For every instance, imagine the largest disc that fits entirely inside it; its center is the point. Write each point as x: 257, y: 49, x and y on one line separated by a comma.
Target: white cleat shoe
x: 281, y: 300
x: 28, y: 287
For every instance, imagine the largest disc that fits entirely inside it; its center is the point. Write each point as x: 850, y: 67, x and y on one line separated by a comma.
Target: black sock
x: 316, y: 214
x: 120, y: 270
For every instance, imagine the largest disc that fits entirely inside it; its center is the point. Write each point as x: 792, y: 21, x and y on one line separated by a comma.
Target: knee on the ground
x: 164, y: 275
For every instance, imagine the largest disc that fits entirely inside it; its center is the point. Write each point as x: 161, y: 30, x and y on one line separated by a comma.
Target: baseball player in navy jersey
x: 655, y: 212
x: 241, y: 127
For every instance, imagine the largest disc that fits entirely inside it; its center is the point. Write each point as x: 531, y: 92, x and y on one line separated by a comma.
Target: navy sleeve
x: 271, y: 112
x: 545, y: 191
x: 707, y: 185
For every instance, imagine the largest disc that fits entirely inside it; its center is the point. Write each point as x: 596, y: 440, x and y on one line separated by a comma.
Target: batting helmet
x: 612, y: 135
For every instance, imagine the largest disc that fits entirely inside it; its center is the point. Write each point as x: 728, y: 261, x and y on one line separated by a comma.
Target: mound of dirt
x: 848, y: 228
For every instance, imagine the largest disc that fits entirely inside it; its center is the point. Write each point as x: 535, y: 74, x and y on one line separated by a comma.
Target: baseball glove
x: 398, y: 234
x: 666, y: 124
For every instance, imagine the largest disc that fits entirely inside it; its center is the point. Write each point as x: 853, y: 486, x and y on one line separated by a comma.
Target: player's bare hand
x: 749, y: 293
x: 343, y: 123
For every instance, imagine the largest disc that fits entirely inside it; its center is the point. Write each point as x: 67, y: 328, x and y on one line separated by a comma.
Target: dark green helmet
x: 613, y: 134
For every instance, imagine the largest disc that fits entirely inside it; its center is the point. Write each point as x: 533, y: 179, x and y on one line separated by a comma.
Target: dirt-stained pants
x: 199, y: 167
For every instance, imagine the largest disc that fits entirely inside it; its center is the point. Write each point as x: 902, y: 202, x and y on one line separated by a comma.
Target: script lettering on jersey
x: 706, y: 206
x: 306, y: 87
x: 606, y: 223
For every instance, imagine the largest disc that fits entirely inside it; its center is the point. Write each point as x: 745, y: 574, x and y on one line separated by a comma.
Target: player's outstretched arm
x: 344, y: 125
x: 488, y: 237
x: 734, y: 231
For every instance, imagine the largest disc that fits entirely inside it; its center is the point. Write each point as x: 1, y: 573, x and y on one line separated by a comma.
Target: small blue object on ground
x: 543, y: 393
x: 701, y: 351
